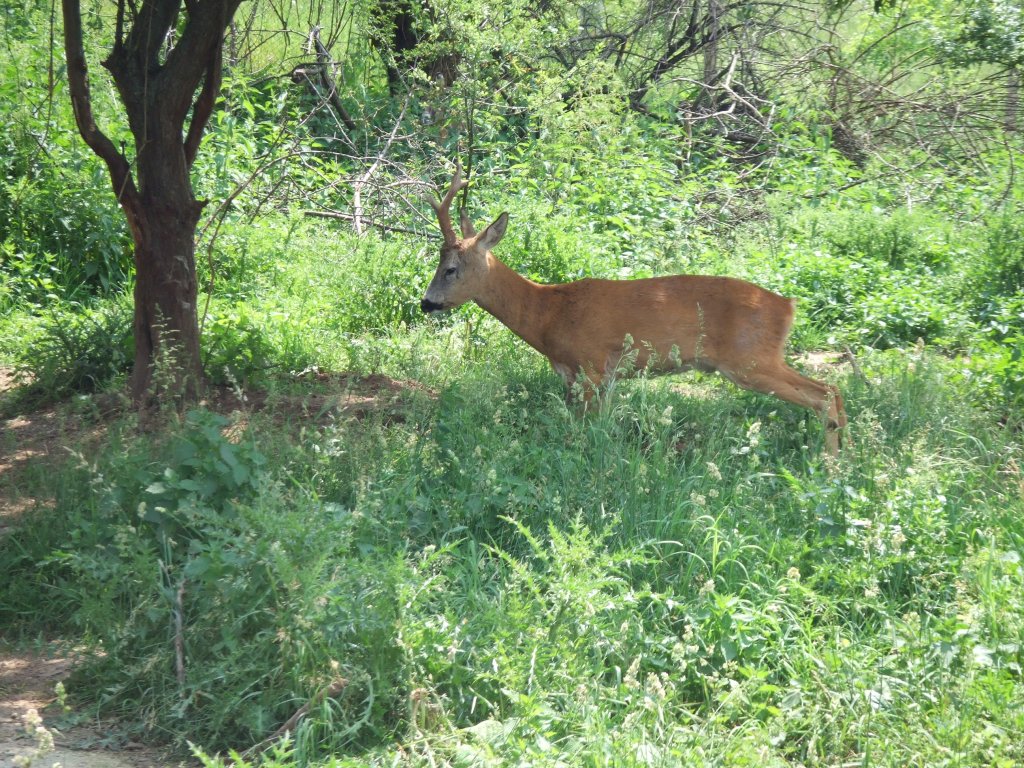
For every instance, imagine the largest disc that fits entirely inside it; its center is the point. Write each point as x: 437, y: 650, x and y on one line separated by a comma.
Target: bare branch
x: 81, y: 102
x: 366, y: 222
x: 203, y: 108
x: 357, y: 188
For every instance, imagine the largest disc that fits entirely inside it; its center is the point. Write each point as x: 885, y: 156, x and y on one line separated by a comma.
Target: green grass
x: 480, y: 576
x: 488, y: 579
x: 678, y: 579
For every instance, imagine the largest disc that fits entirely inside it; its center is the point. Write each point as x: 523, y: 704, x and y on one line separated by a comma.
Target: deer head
x: 463, y: 268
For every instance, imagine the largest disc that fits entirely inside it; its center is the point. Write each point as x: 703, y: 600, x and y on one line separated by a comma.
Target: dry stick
x: 855, y: 365
x: 178, y: 613
x: 357, y: 188
x: 323, y: 57
x: 331, y: 691
x: 370, y: 223
x: 179, y: 636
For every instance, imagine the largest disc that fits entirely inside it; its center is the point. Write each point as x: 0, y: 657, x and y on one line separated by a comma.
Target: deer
x: 588, y: 328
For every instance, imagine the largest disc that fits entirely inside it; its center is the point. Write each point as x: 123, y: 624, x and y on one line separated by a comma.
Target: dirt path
x: 28, y: 709
x: 28, y: 678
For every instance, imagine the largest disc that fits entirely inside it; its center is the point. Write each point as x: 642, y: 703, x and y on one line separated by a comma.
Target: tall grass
x: 487, y: 578
x: 679, y: 578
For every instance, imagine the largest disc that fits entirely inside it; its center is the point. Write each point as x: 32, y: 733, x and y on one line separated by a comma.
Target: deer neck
x: 517, y: 302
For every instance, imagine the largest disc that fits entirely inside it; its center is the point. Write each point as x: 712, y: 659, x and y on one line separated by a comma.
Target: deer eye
x: 450, y: 271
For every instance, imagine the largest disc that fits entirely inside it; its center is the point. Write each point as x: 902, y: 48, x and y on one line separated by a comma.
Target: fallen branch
x: 357, y: 188
x: 331, y: 691
x: 179, y: 636
x: 369, y: 223
x: 855, y: 365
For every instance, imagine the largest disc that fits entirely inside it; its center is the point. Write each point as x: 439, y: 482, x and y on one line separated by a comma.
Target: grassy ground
x: 461, y: 571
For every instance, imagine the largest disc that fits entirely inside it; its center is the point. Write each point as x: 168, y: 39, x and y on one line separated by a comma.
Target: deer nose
x: 430, y: 306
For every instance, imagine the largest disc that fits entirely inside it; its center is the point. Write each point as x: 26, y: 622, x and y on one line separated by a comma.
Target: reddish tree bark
x: 158, y: 86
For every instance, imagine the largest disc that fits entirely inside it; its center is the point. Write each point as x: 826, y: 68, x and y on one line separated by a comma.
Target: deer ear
x: 491, y: 236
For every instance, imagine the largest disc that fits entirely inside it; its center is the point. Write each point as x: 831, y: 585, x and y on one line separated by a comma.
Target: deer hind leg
x: 786, y: 384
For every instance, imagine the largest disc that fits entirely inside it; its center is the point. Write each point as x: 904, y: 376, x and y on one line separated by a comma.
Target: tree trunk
x: 163, y: 218
x: 158, y: 85
x: 710, y: 56
x: 167, y: 358
x: 394, y: 37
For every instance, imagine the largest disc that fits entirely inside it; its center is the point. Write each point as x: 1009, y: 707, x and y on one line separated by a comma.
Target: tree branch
x: 191, y: 57
x: 81, y: 102
x: 204, y: 105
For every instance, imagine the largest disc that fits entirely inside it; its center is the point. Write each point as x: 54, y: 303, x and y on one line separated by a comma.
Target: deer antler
x: 442, y: 208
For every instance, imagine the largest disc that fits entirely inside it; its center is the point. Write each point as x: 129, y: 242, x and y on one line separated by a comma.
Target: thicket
x: 480, y: 577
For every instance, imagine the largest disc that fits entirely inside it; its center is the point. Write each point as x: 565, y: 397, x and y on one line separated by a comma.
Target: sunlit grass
x: 679, y: 577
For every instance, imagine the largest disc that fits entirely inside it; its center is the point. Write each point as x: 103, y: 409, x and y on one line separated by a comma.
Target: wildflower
x: 753, y: 434
x: 707, y: 587
x: 698, y: 499
x: 44, y: 740
x: 654, y: 687
x: 793, y: 574
x: 630, y: 680
x: 713, y: 471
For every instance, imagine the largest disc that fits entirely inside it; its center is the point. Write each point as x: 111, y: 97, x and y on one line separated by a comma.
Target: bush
x: 61, y: 230
x: 357, y: 284
x: 223, y: 599
x: 883, y: 280
x: 996, y: 362
x: 236, y: 347
x: 999, y: 269
x: 76, y: 349
x: 898, y: 240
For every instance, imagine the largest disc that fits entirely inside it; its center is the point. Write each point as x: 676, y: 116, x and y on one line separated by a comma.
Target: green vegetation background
x: 680, y: 580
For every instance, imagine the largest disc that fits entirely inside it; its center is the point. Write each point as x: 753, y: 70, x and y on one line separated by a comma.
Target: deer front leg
x: 580, y: 385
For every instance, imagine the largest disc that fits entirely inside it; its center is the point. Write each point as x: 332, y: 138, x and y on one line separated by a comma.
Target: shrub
x: 223, y: 598
x: 77, y: 349
x: 899, y: 240
x: 62, y: 231
x: 999, y: 270
x: 236, y: 347
x: 996, y: 363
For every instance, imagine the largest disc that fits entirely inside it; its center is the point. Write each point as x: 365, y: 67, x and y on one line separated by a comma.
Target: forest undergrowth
x: 387, y: 539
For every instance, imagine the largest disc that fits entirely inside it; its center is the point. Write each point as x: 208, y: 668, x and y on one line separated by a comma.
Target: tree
x: 992, y: 32
x: 163, y: 53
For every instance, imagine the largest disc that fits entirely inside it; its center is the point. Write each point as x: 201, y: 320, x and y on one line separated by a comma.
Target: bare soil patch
x: 45, y: 438
x: 27, y: 684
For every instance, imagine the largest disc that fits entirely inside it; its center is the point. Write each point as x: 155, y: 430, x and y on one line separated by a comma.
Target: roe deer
x: 675, y: 323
